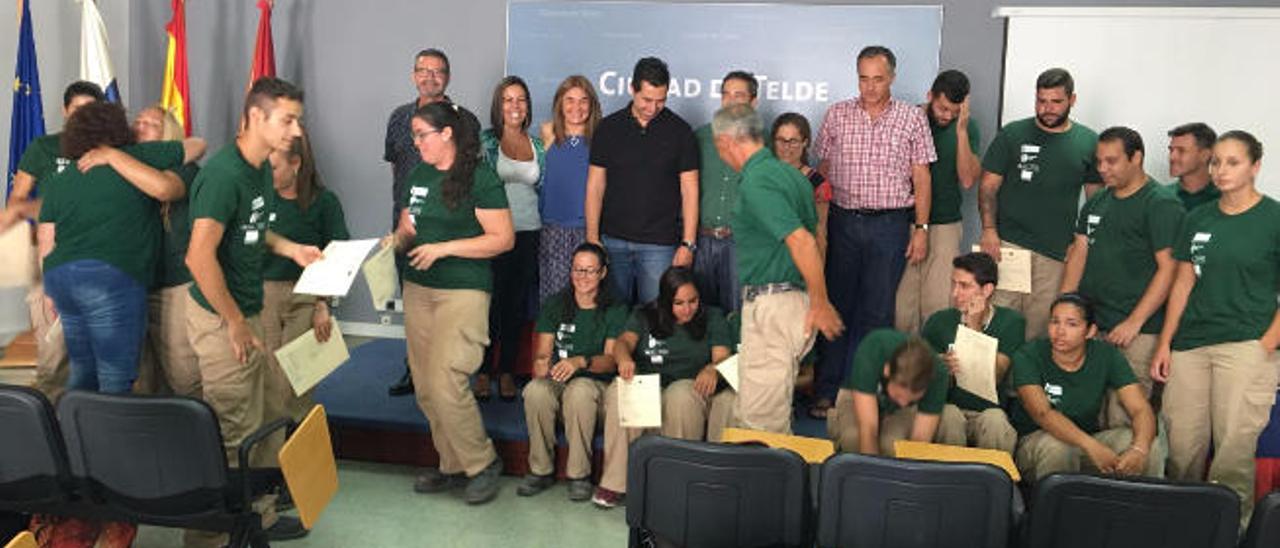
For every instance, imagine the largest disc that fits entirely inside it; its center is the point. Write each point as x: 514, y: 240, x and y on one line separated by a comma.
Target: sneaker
x: 534, y: 484
x: 432, y: 481
x: 286, y: 528
x: 484, y: 486
x: 604, y: 498
x: 580, y: 490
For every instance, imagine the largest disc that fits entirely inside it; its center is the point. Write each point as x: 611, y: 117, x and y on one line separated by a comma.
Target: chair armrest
x: 242, y: 457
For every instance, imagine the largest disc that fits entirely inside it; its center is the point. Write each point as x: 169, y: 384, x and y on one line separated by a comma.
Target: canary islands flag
x: 95, y: 63
x: 27, y: 122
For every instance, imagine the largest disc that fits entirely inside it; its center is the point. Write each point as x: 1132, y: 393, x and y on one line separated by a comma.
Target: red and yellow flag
x: 264, y: 55
x: 176, y: 96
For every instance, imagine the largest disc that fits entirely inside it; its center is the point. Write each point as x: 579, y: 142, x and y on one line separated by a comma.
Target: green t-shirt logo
x: 256, y: 225
x: 1198, y: 244
x: 655, y: 349
x: 1054, y: 391
x: 60, y: 164
x: 1091, y: 225
x: 564, y: 340
x: 1028, y: 162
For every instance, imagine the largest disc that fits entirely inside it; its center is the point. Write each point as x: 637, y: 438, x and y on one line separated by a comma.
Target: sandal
x: 819, y: 408
x: 483, y: 387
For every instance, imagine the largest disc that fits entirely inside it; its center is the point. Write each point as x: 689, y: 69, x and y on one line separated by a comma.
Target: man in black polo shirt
x: 642, y: 186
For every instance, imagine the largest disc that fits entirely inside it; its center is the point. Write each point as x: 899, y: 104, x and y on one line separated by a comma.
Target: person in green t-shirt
x: 572, y: 366
x: 968, y: 419
x: 923, y: 288
x: 99, y: 236
x: 456, y: 219
x: 1121, y: 258
x: 680, y: 340
x: 1061, y: 383
x: 1032, y: 175
x: 1216, y: 352
x: 1190, y: 149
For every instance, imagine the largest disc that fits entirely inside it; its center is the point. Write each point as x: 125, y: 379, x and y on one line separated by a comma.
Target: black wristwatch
x: 692, y: 245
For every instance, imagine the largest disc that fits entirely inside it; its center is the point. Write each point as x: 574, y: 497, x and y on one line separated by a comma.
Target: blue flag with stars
x: 28, y: 113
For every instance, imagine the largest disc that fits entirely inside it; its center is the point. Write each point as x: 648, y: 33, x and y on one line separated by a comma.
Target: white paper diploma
x: 380, y: 274
x: 1015, y: 269
x: 640, y: 401
x: 729, y: 370
x: 306, y: 361
x: 976, y: 352
x: 332, y: 275
x: 18, y: 269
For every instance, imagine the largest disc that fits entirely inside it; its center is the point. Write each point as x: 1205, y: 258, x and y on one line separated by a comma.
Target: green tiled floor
x: 376, y: 507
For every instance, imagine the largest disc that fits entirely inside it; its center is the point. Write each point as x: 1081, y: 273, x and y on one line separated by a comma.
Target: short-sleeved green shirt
x: 237, y: 196
x: 437, y: 222
x: 1077, y: 394
x: 679, y: 356
x: 172, y: 267
x: 101, y: 216
x: 1237, y: 264
x: 1191, y: 200
x: 717, y: 183
x: 583, y: 335
x: 866, y: 372
x: 774, y: 200
x: 1043, y: 173
x: 43, y: 158
x: 944, y: 180
x: 1124, y: 235
x: 320, y: 224
x: 1006, y: 325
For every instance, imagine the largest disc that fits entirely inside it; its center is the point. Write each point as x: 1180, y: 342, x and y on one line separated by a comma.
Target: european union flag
x: 28, y: 113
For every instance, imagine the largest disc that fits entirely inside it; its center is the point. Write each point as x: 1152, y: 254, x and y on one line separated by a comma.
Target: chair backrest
x: 691, y: 493
x: 874, y: 501
x: 33, y: 462
x: 149, y: 456
x: 23, y: 540
x: 1264, y: 526
x: 1072, y: 510
x: 306, y: 460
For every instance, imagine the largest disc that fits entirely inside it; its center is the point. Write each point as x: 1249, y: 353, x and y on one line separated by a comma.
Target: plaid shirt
x: 869, y: 160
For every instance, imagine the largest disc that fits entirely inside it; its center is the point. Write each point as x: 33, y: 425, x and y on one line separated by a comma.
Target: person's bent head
x: 950, y: 89
x: 1119, y: 156
x: 273, y: 113
x: 448, y: 138
x: 1237, y: 157
x: 877, y: 67
x: 1071, y: 323
x: 576, y: 105
x: 154, y: 123
x: 510, y: 108
x: 789, y: 138
x: 78, y: 94
x: 93, y: 125
x: 1190, y: 148
x: 973, y: 276
x: 738, y: 133
x: 678, y: 304
x: 909, y: 372
x: 649, y: 83
x: 1055, y: 95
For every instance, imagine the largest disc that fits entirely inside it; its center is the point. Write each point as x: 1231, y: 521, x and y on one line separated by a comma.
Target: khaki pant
x: 1040, y: 454
x: 926, y: 286
x: 842, y: 425
x: 1221, y: 393
x: 234, y: 391
x: 1046, y: 278
x: 684, y: 416
x: 285, y: 317
x: 446, y: 332
x: 580, y: 403
x: 52, y: 365
x: 986, y: 429
x: 720, y: 414
x: 773, y: 342
x: 169, y: 363
x: 1138, y: 354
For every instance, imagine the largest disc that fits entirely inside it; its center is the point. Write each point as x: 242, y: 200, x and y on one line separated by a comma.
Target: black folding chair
x: 34, y: 477
x: 1264, y: 526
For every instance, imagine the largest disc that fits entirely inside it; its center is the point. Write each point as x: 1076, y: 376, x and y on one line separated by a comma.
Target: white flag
x: 95, y: 62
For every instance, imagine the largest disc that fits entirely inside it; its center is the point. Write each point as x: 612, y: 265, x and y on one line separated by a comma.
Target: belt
x: 750, y: 292
x: 879, y: 212
x: 719, y: 232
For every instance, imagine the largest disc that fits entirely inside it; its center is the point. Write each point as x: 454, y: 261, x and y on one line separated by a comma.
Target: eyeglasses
x: 419, y: 136
x: 789, y: 142
x: 585, y: 272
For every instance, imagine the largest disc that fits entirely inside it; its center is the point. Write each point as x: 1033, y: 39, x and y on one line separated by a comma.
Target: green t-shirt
x: 679, y: 356
x: 944, y: 180
x: 237, y: 196
x: 1237, y: 264
x: 171, y: 269
x: 1189, y: 200
x: 1006, y: 325
x: 584, y: 335
x: 775, y: 199
x: 1043, y: 173
x: 1124, y: 234
x: 717, y: 183
x: 320, y: 224
x: 866, y: 372
x: 101, y: 216
x: 436, y: 222
x: 1078, y: 394
x: 43, y: 158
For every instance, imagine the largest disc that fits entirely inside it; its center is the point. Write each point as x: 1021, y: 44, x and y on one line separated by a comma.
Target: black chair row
x: 694, y: 494
x: 140, y: 459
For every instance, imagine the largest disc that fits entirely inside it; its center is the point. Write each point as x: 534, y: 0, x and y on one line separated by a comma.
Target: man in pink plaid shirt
x: 876, y: 152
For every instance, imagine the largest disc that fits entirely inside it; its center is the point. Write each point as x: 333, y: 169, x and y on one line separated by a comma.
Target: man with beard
x: 1032, y: 175
x: 925, y: 285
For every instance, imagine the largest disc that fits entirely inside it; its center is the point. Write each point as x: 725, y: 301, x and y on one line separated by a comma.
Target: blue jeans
x: 865, y: 260
x: 715, y: 266
x: 636, y: 267
x: 104, y: 319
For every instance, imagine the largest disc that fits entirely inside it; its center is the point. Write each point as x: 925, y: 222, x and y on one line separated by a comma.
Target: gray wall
x: 354, y: 60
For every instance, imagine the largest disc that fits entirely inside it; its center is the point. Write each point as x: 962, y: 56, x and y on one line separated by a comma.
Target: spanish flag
x: 264, y: 55
x: 176, y: 95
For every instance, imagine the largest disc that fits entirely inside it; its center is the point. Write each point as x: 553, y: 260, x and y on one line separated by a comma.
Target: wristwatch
x: 922, y: 226
x: 692, y: 245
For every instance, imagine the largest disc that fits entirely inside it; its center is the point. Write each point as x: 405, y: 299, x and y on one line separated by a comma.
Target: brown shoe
x: 506, y: 387
x: 483, y: 387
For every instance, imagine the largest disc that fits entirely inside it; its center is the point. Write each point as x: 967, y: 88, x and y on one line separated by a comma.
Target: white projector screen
x: 1152, y: 69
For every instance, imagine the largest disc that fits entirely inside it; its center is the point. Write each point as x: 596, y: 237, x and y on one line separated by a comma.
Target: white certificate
x: 380, y: 274
x: 729, y: 370
x: 640, y: 401
x: 306, y: 361
x: 19, y: 266
x: 332, y: 275
x: 976, y: 352
x: 1015, y: 269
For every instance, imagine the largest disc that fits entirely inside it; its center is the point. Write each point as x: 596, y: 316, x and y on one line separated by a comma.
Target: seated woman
x: 895, y: 390
x: 677, y: 338
x: 573, y: 365
x: 1061, y: 383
